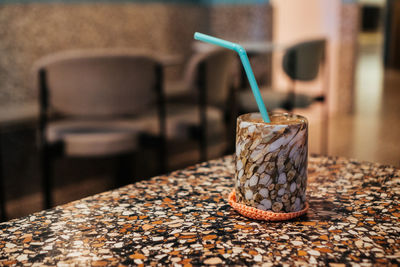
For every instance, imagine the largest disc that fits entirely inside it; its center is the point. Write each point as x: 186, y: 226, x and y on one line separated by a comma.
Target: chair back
x: 218, y: 64
x: 302, y: 61
x: 100, y: 83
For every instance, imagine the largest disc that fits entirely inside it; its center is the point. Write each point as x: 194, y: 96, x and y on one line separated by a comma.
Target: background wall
x: 32, y: 29
x: 337, y: 21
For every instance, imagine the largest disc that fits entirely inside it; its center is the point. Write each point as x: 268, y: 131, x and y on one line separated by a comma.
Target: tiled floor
x: 371, y: 133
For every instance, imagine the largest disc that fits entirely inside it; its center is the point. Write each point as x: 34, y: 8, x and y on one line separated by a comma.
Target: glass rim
x: 302, y: 119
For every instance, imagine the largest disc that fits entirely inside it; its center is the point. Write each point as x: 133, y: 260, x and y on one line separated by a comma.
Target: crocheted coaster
x: 257, y: 214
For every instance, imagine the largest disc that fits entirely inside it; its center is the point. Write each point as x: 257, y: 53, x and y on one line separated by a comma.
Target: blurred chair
x: 198, y: 105
x: 97, y: 103
x: 301, y: 62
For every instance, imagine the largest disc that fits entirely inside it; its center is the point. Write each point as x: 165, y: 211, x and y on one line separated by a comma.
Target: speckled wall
x: 244, y: 23
x: 30, y: 31
x: 227, y: 22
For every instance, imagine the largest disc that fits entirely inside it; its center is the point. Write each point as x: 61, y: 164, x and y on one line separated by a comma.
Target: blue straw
x: 246, y: 64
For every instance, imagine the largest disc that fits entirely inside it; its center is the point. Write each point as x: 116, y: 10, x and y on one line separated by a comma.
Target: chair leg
x: 203, y: 141
x: 47, y: 168
x: 231, y: 115
x: 290, y: 102
x: 203, y: 112
x: 124, y: 170
x: 162, y: 138
x: 324, y: 131
x: 162, y: 156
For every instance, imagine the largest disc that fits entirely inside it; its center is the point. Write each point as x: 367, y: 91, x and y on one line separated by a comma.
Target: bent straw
x: 246, y: 64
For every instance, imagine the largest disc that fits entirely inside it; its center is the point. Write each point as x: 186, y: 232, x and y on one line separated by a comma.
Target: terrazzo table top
x: 184, y: 219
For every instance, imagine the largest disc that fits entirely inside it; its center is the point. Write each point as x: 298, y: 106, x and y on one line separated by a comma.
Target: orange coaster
x: 257, y: 214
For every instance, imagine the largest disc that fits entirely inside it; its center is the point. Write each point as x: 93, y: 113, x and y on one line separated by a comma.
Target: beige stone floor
x: 372, y: 133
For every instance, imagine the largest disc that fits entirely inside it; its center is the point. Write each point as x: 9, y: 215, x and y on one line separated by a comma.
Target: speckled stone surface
x: 184, y: 219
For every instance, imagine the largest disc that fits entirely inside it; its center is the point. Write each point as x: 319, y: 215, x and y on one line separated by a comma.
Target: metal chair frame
x: 291, y: 100
x: 49, y: 151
